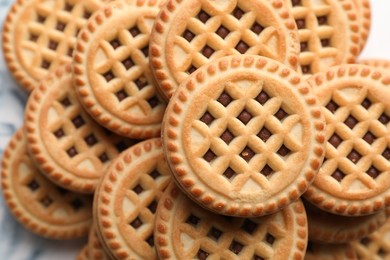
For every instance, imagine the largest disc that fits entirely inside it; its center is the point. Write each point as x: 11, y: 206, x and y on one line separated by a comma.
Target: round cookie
x: 316, y: 251
x: 67, y: 145
x: 111, y: 68
x: 364, y: 17
x: 39, y: 35
x: 375, y: 246
x: 325, y: 227
x: 354, y: 178
x: 39, y: 205
x: 329, y: 33
x: 126, y: 201
x: 184, y: 230
x: 190, y: 33
x: 244, y: 136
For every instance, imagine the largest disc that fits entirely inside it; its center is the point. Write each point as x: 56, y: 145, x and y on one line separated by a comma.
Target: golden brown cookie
x: 126, y: 200
x: 112, y: 73
x: 375, y: 246
x: 190, y: 33
x: 244, y: 135
x: 329, y: 33
x: 381, y: 64
x: 325, y: 227
x: 39, y: 205
x: 69, y: 147
x: 364, y: 17
x: 39, y: 35
x: 316, y: 251
x: 186, y: 231
x: 355, y: 176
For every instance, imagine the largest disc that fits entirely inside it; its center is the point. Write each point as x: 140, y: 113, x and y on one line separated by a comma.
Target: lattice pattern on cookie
x: 125, y: 66
x: 52, y: 199
x: 216, y: 236
x: 352, y: 132
x: 257, y: 133
x: 38, y: 204
x: 375, y: 246
x: 51, y: 34
x: 318, y: 48
x: 207, y: 37
x: 77, y: 138
x: 145, y: 192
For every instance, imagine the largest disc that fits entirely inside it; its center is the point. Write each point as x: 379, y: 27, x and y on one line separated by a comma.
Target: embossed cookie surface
x: 66, y: 143
x: 40, y: 35
x: 328, y: 33
x: 354, y: 178
x: 126, y: 200
x: 375, y: 246
x: 95, y: 248
x: 186, y: 231
x: 325, y: 227
x: 112, y: 73
x: 244, y: 135
x: 381, y: 64
x: 364, y: 18
x: 190, y: 33
x: 38, y: 204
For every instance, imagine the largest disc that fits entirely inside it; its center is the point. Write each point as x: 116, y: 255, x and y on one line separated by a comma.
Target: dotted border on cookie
x: 175, y: 157
x: 320, y: 234
x: 165, y: 207
x: 84, y: 92
x: 20, y: 213
x: 105, y: 224
x: 166, y: 84
x: 9, y: 51
x: 34, y: 146
x: 320, y: 198
x: 364, y: 11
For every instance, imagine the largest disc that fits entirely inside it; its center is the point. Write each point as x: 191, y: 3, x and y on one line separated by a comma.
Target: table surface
x: 16, y: 243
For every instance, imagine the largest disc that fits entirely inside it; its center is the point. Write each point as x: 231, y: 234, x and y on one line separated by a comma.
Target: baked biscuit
x: 126, y: 201
x: 355, y: 176
x: 67, y: 145
x: 111, y: 68
x: 244, y: 135
x: 325, y: 227
x: 39, y: 205
x: 364, y: 17
x: 375, y: 246
x: 184, y: 230
x: 329, y: 33
x: 38, y: 36
x: 190, y: 33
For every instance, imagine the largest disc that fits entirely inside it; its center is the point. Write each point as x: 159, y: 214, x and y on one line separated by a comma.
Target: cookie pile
x: 204, y: 129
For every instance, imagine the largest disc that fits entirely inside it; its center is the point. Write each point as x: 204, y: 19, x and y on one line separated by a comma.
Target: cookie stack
x: 204, y: 129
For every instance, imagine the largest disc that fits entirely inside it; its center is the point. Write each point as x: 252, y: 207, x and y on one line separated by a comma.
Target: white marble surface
x: 18, y: 244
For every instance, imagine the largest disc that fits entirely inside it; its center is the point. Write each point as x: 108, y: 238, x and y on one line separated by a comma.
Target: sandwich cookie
x: 185, y: 230
x: 126, y: 201
x: 67, y: 145
x: 317, y: 251
x: 38, y: 204
x: 112, y: 75
x: 244, y: 136
x: 39, y: 35
x: 355, y: 176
